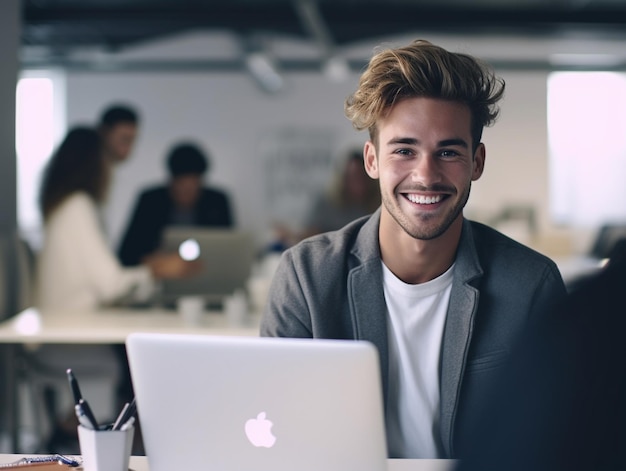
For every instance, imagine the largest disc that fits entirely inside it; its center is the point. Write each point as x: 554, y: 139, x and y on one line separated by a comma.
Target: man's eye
x: 448, y: 153
x: 403, y: 151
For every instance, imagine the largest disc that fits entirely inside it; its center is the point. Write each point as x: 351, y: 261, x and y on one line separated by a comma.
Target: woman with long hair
x: 76, y: 267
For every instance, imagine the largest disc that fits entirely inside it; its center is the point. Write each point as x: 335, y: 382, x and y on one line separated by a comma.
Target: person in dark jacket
x: 560, y: 403
x: 184, y: 201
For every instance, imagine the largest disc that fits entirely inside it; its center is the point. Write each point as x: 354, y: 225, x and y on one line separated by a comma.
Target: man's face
x: 425, y: 165
x: 118, y: 140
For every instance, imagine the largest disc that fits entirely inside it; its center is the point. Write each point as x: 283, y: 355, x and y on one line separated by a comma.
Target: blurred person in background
x: 184, y: 201
x: 351, y: 195
x: 118, y: 127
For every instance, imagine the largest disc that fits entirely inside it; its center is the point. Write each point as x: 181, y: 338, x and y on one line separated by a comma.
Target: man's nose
x: 426, y: 170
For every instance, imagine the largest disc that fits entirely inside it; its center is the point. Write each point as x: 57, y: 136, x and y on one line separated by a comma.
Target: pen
x: 82, y: 418
x: 74, y: 386
x: 83, y: 409
x: 126, y: 414
x: 128, y: 424
x: 119, y: 421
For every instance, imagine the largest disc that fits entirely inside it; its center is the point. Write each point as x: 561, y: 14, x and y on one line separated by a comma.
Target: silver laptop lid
x: 227, y: 256
x: 258, y: 404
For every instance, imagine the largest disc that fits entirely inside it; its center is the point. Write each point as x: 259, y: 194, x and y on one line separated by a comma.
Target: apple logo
x: 189, y: 249
x: 259, y: 431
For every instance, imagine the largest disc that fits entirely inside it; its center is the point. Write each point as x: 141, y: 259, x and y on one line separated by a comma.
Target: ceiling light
x: 336, y: 69
x: 264, y: 71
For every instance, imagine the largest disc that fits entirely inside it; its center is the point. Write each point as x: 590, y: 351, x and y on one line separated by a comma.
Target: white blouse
x: 76, y: 268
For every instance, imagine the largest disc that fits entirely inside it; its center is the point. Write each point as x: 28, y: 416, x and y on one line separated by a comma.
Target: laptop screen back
x: 226, y: 255
x: 258, y: 404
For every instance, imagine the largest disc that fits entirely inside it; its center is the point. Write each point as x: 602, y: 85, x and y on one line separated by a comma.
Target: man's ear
x: 370, y: 159
x: 479, y: 161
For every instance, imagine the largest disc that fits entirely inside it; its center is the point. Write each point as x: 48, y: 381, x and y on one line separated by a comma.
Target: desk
x: 109, y: 326
x: 140, y: 463
x: 105, y: 326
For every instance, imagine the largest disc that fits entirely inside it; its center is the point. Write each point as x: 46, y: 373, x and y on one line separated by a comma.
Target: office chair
x: 37, y: 381
x: 43, y: 378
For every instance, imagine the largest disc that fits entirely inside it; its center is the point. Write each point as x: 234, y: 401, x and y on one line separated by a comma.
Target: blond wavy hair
x: 423, y: 69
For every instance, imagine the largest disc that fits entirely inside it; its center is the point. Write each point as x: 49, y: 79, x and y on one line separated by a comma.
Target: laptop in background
x: 227, y: 256
x: 258, y: 404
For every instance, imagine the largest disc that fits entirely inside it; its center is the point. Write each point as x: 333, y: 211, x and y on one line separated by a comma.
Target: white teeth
x: 419, y: 199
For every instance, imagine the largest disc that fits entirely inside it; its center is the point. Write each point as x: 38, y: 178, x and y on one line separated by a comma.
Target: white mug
x: 191, y: 309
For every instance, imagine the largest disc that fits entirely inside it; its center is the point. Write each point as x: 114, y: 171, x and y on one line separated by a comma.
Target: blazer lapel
x: 369, y: 312
x: 366, y: 296
x: 458, y: 333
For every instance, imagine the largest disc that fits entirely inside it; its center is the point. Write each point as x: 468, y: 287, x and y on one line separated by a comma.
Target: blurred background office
x: 266, y: 95
x: 277, y: 136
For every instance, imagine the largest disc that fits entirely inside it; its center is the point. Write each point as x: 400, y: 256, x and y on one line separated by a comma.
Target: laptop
x: 258, y: 404
x: 227, y: 256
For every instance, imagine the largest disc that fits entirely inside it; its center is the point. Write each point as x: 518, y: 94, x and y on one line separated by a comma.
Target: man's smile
x: 424, y: 199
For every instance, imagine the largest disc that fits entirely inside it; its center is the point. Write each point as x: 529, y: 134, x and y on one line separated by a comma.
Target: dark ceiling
x: 63, y: 26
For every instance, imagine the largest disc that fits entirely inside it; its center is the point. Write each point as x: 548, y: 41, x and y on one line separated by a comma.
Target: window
x: 40, y: 123
x: 587, y: 147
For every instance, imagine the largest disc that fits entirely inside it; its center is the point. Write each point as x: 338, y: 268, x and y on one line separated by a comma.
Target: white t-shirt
x: 416, y: 319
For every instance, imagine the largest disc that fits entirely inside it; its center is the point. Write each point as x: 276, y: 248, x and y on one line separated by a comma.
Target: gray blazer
x: 330, y: 286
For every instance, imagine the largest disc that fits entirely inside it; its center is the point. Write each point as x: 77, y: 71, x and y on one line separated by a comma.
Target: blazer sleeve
x: 286, y: 313
x: 550, y: 293
x: 144, y: 229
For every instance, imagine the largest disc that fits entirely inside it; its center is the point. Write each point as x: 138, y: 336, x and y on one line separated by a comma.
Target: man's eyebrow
x: 403, y: 140
x: 454, y: 142
x: 413, y: 141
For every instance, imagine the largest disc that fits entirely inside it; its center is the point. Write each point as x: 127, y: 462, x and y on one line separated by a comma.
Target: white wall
x: 516, y: 163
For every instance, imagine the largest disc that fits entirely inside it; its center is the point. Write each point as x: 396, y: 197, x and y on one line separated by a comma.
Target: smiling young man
x: 443, y: 298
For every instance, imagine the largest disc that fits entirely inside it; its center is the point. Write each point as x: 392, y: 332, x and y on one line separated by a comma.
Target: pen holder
x: 105, y: 450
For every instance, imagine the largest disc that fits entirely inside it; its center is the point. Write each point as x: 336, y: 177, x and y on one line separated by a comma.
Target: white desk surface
x: 140, y: 463
x: 112, y: 325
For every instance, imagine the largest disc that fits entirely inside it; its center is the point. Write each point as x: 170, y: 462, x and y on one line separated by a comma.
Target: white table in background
x: 107, y: 326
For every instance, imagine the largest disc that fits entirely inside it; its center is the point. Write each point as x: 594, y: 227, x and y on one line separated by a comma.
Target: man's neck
x: 418, y: 261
